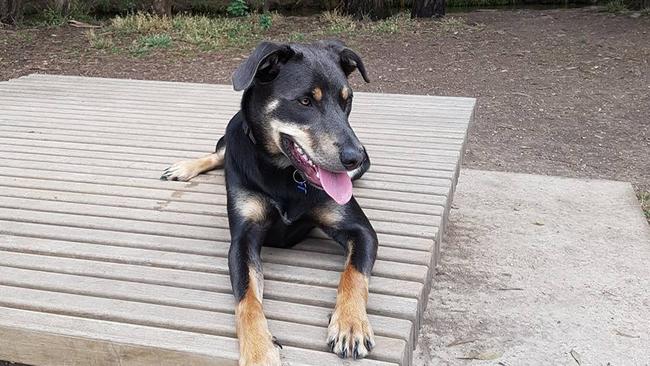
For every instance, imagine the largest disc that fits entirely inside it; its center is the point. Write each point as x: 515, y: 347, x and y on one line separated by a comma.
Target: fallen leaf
x: 462, y: 341
x: 618, y: 332
x: 78, y: 24
x: 483, y: 356
x: 576, y: 356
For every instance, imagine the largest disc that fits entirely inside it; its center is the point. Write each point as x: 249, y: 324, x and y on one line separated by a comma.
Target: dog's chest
x: 289, y: 212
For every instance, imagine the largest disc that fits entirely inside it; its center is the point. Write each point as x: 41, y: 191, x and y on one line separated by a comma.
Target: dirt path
x: 561, y: 92
x: 528, y: 275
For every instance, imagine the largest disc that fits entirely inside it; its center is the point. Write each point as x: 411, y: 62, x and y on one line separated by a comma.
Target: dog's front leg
x: 349, y: 332
x: 248, y: 214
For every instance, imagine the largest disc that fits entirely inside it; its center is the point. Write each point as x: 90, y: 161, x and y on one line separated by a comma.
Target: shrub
x: 266, y: 21
x: 237, y: 8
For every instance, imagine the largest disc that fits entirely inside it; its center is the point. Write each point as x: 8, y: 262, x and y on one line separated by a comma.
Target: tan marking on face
x: 328, y: 215
x: 345, y: 93
x: 255, y: 341
x: 272, y: 106
x: 327, y: 146
x: 251, y: 206
x: 317, y: 93
x: 299, y: 134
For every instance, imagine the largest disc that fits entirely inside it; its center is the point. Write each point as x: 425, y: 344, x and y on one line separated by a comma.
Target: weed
x: 201, y: 31
x: 392, y: 25
x: 144, y: 44
x: 454, y: 24
x: 143, y: 23
x: 99, y: 41
x: 25, y: 36
x: 338, y: 23
x: 266, y: 21
x: 237, y: 8
x: 297, y: 37
x: 615, y: 6
x: 644, y: 199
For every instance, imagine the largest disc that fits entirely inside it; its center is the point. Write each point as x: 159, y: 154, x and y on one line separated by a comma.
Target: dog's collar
x: 248, y: 132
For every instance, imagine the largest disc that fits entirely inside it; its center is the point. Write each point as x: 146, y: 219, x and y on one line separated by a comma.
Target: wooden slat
x: 37, y: 338
x: 102, y: 261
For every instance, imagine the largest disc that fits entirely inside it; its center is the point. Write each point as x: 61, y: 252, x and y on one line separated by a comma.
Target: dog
x: 290, y: 156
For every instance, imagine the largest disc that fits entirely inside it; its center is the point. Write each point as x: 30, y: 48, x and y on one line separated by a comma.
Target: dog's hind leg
x: 188, y: 169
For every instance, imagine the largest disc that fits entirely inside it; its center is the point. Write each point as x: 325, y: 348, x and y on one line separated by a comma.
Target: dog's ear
x: 264, y: 63
x: 349, y: 59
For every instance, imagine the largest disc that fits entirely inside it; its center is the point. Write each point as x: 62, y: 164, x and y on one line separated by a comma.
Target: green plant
x: 266, y: 21
x: 297, y: 37
x: 644, y: 199
x: 615, y: 6
x: 237, y: 8
x: 144, y: 44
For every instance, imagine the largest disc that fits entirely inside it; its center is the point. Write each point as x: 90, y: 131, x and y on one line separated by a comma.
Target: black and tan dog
x: 290, y: 156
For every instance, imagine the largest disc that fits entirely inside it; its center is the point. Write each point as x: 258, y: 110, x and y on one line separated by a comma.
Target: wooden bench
x: 102, y: 263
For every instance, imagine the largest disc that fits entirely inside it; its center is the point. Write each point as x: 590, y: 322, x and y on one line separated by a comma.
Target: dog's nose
x: 352, y: 157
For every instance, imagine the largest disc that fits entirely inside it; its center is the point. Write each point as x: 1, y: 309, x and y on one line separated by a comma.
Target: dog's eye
x: 306, y: 101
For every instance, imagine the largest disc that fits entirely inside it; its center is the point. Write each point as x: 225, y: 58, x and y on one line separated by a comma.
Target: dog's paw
x: 349, y: 333
x: 266, y: 353
x: 182, y: 171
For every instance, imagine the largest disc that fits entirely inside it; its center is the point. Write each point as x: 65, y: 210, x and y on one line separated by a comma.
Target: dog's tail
x: 188, y: 169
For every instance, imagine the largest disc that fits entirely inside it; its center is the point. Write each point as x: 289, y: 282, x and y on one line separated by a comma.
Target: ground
x: 560, y: 92
x: 539, y: 270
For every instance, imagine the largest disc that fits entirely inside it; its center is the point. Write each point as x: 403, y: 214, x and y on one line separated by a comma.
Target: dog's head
x: 297, y: 99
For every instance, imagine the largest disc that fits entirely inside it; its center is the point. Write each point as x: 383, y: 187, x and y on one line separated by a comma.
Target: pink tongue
x: 337, y: 185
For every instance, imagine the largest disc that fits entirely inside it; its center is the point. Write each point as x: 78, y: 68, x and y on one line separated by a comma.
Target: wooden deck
x: 101, y: 263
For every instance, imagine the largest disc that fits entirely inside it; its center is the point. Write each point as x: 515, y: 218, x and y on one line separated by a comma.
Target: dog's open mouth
x: 337, y: 185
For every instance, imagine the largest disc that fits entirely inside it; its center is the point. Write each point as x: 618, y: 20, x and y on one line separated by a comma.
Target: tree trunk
x: 428, y: 8
x: 11, y: 11
x: 162, y: 7
x: 373, y: 9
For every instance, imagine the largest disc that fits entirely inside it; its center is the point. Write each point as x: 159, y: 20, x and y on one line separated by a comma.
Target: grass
x: 338, y: 23
x: 203, y: 32
x: 644, y: 199
x: 616, y: 6
x: 144, y: 44
x: 99, y: 42
x: 393, y: 25
x: 141, y: 33
x: 341, y: 25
